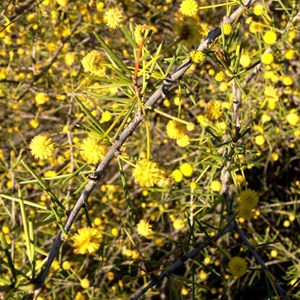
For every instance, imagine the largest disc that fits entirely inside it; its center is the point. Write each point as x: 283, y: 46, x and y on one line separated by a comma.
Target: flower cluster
x: 185, y: 170
x: 148, y: 173
x: 214, y: 110
x: 42, y: 147
x: 177, y: 131
x: 41, y: 98
x: 87, y: 240
x: 92, y: 151
x: 220, y: 76
x: 93, y: 63
x: 226, y: 28
x: 237, y: 266
x: 248, y: 201
x: 197, y: 56
x: 113, y: 18
x: 144, y: 229
x: 189, y: 8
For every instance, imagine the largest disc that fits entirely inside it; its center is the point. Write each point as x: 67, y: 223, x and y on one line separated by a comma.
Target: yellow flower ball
x: 178, y: 224
x: 85, y: 283
x: 220, y: 76
x: 237, y: 266
x: 267, y: 58
x: 175, y: 130
x: 292, y: 118
x: 226, y: 29
x: 258, y: 9
x: 189, y: 8
x: 113, y: 18
x: 287, y: 80
x: 216, y: 186
x: 186, y: 169
x: 148, y: 173
x: 245, y: 60
x: 259, y: 140
x: 248, y: 198
x: 197, y: 56
x: 92, y: 151
x: 144, y: 229
x: 270, y: 37
x: 41, y: 98
x: 290, y: 54
x: 177, y: 175
x: 42, y: 147
x: 214, y: 110
x: 183, y: 142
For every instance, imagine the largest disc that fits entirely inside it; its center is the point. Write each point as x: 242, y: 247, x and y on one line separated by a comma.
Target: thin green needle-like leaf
x: 43, y: 184
x: 113, y: 57
x: 29, y: 203
x: 107, y: 98
x: 128, y: 36
x: 90, y: 116
x: 26, y: 232
x: 5, y: 248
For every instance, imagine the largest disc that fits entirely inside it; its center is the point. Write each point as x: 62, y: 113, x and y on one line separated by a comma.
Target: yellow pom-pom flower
x: 270, y: 37
x: 113, y: 18
x: 186, y: 169
x: 214, y: 110
x: 178, y: 224
x: 189, y: 8
x: 41, y: 98
x: 245, y: 60
x: 292, y: 118
x: 271, y: 93
x: 85, y: 283
x: 144, y: 229
x: 226, y: 28
x: 42, y: 147
x: 87, y: 240
x: 147, y: 174
x: 267, y: 58
x: 92, y: 151
x: 237, y: 266
x: 183, y: 141
x: 249, y: 198
x: 259, y: 140
x: 220, y: 76
x: 216, y: 186
x: 106, y: 117
x: 197, y: 56
x: 177, y: 175
x: 258, y: 9
x: 93, y: 63
x: 175, y: 130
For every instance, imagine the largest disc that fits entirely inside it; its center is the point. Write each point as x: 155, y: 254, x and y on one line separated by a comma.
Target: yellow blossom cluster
x: 87, y: 240
x: 144, y: 229
x: 248, y: 200
x: 93, y: 63
x: 92, y: 151
x: 237, y: 266
x: 148, y: 173
x: 178, y: 132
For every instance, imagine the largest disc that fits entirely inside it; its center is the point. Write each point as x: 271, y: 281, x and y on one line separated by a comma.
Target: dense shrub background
x: 42, y: 46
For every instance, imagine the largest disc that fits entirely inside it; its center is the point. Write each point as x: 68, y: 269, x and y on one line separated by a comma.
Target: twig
x: 258, y: 258
x: 183, y: 259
